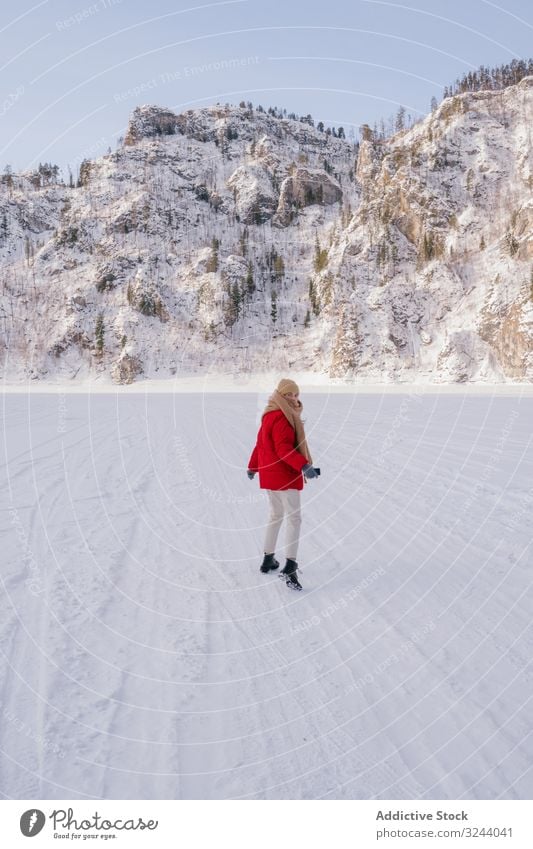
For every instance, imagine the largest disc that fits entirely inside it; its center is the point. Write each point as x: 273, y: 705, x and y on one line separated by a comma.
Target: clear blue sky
x: 73, y: 70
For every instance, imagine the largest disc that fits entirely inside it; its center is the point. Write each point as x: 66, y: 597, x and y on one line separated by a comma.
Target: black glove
x: 250, y: 474
x: 309, y: 471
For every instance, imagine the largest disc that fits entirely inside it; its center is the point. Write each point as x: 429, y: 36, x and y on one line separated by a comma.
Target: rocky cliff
x: 229, y: 240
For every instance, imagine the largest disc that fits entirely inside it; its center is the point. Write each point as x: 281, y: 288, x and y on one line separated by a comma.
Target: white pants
x: 284, y: 503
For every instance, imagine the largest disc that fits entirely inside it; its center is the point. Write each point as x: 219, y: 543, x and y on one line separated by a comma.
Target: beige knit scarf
x: 277, y: 401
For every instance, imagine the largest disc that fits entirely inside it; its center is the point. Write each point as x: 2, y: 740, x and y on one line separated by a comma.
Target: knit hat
x: 287, y: 385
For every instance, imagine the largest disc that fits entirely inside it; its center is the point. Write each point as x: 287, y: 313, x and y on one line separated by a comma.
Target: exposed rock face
x: 151, y: 122
x: 71, y: 337
x: 255, y: 197
x: 145, y: 298
x: 369, y: 161
x: 523, y: 231
x: 431, y: 231
x: 126, y: 369
x: 305, y: 187
x: 265, y: 153
x: 508, y: 332
x: 460, y: 351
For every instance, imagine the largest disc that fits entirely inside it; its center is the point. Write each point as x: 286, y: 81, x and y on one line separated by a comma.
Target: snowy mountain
x: 226, y: 239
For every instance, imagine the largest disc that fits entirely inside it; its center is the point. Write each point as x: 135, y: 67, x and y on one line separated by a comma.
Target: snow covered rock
x: 152, y: 121
x: 255, y: 197
x: 126, y: 369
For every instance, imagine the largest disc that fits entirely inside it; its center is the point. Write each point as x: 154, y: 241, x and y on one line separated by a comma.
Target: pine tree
x: 84, y: 173
x: 321, y: 256
x: 99, y: 334
x: 307, y: 319
x: 273, y: 308
x: 250, y: 284
x: 243, y: 241
x: 236, y: 300
x: 511, y: 243
x: 399, y: 123
x: 28, y: 251
x: 313, y: 299
x: 8, y: 178
x: 212, y: 262
x: 394, y: 256
x: 279, y: 267
x: 428, y: 246
x: 491, y: 79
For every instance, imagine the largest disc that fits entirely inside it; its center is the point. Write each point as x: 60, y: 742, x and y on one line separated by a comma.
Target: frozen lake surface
x: 144, y: 655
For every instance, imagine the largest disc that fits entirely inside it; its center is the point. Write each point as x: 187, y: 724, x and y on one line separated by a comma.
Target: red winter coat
x: 275, y: 457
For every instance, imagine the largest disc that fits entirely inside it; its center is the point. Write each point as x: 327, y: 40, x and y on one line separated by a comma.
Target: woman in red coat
x: 280, y: 456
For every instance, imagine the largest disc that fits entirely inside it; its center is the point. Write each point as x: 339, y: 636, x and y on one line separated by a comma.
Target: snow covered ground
x: 145, y: 656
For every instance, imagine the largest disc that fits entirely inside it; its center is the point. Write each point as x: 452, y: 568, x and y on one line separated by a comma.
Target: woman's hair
x: 287, y: 385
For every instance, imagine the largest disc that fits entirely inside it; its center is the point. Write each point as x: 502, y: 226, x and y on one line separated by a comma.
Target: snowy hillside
x: 226, y: 238
x: 145, y: 656
x: 435, y: 270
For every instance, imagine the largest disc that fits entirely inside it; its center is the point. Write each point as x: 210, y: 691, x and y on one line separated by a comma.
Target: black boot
x: 293, y: 582
x: 289, y: 574
x: 269, y: 563
x: 290, y: 567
